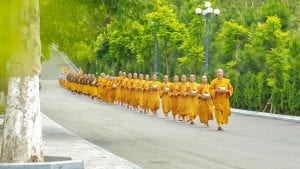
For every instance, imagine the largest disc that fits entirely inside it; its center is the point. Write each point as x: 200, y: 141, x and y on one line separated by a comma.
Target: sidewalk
x: 266, y: 115
x: 60, y: 142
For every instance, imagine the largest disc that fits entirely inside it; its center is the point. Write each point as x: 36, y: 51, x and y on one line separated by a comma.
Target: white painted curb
x: 267, y: 115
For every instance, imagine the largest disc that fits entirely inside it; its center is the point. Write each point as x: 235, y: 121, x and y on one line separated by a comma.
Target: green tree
x: 22, y: 133
x: 167, y: 31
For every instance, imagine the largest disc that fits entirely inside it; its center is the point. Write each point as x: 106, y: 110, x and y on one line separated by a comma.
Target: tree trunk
x: 166, y: 57
x: 156, y: 69
x: 22, y: 133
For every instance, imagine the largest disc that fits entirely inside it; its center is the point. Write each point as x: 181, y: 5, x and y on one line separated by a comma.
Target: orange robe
x: 99, y: 89
x: 193, y: 99
x: 128, y: 97
x: 174, y: 91
x: 153, y: 96
x: 108, y: 88
x: 205, y: 105
x: 140, y: 85
x: 183, y: 101
x: 105, y: 88
x: 94, y: 89
x: 118, y: 92
x: 134, y: 92
x: 113, y: 92
x: 145, y: 89
x: 165, y: 97
x: 221, y: 100
x: 124, y: 90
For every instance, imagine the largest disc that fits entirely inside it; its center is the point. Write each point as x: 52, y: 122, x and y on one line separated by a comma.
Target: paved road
x: 158, y: 143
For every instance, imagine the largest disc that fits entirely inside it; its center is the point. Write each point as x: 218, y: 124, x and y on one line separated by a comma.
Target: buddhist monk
x: 174, y: 91
x: 153, y: 95
x: 118, y: 83
x: 183, y: 101
x: 128, y: 94
x: 140, y: 84
x: 221, y: 90
x: 94, y: 86
x: 164, y: 93
x: 123, y: 89
x: 145, y: 89
x: 100, y: 88
x: 205, y: 102
x: 134, y: 92
x: 113, y: 90
x: 193, y: 99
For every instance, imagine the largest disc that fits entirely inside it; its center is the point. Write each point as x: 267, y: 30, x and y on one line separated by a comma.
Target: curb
x: 72, y: 164
x: 267, y: 115
x: 66, y: 58
x: 107, y: 160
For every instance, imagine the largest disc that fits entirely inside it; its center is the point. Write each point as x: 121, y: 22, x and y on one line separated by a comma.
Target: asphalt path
x: 159, y: 143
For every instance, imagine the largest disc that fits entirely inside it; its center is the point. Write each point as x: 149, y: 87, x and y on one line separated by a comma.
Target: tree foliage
x: 256, y: 42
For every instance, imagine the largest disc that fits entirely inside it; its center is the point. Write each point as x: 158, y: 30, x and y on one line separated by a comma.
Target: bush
x: 2, y: 109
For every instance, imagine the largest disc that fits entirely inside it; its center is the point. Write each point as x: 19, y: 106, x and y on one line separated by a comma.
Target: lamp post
x: 207, y: 12
x: 155, y: 28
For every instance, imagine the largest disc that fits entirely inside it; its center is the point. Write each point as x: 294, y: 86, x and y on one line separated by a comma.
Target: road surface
x: 159, y: 143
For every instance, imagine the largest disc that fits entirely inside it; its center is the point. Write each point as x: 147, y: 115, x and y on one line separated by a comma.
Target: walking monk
x: 221, y: 90
x: 193, y: 100
x: 140, y: 85
x: 119, y: 83
x: 153, y: 95
x: 134, y: 92
x: 174, y: 91
x: 145, y: 89
x: 166, y: 102
x: 205, y: 102
x: 183, y: 101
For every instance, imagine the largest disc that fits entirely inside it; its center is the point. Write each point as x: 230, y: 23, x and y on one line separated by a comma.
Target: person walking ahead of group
x: 221, y: 90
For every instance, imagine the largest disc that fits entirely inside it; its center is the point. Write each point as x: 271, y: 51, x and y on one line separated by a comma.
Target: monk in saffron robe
x: 183, y: 101
x: 193, y: 99
x: 174, y: 91
x: 153, y: 95
x: 205, y: 102
x: 113, y: 90
x: 108, y: 87
x: 118, y: 83
x: 134, y: 92
x: 94, y: 86
x: 165, y: 98
x: 221, y: 90
x: 100, y: 88
x: 140, y: 84
x: 123, y: 88
x: 105, y: 88
x: 128, y: 94
x: 145, y: 89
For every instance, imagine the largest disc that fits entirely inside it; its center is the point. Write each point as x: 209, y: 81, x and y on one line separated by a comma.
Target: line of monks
x: 184, y: 99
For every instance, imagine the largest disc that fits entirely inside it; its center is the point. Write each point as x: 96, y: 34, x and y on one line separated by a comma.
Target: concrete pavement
x: 248, y: 142
x: 155, y: 142
x: 60, y: 143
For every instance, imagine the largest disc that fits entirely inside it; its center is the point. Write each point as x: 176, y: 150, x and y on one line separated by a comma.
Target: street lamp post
x: 207, y: 12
